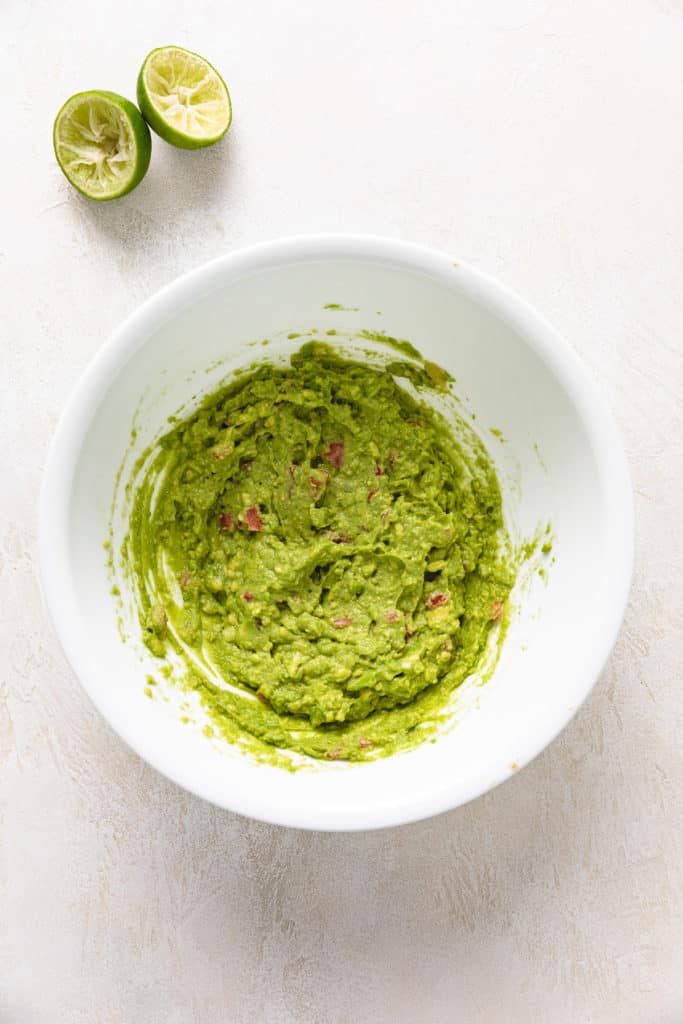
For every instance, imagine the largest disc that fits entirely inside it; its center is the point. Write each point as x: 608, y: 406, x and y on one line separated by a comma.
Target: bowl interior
x: 559, y: 462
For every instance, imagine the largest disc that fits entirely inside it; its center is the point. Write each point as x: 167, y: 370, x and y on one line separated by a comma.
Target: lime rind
x: 183, y: 98
x: 102, y: 144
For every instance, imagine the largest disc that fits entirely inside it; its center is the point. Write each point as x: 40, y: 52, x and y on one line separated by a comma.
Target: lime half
x: 102, y: 144
x: 183, y: 98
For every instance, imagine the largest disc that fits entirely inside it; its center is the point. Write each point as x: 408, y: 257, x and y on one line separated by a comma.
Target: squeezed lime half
x: 183, y: 98
x: 102, y: 144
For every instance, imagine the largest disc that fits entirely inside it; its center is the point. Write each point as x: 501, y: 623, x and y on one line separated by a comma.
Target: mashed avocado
x: 324, y: 554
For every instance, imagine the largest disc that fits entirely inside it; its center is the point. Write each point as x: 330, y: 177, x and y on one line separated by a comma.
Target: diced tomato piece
x: 335, y: 454
x: 253, y: 519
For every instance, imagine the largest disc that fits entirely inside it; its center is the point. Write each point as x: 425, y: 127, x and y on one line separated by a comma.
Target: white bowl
x: 562, y: 462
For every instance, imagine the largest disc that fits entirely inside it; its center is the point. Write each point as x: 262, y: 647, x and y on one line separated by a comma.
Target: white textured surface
x: 543, y: 142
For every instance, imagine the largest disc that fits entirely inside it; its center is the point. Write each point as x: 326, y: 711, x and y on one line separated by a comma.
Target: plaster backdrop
x: 540, y: 140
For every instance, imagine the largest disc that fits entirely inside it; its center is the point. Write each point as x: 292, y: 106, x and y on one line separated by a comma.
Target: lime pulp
x: 183, y: 98
x: 102, y: 144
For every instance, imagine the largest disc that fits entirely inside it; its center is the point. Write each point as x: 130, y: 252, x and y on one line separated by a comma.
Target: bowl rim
x: 132, y: 333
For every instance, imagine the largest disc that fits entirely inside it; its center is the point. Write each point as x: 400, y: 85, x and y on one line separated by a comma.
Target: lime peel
x: 102, y: 144
x: 183, y: 98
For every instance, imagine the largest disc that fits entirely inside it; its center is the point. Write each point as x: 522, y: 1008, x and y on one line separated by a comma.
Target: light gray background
x: 542, y: 141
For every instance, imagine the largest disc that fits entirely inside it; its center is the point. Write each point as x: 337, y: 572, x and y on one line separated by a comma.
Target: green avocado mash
x: 324, y: 555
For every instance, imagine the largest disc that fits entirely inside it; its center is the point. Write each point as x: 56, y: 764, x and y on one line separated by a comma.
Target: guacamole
x: 322, y: 553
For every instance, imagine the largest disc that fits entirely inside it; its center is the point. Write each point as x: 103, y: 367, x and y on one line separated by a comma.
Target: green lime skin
x: 102, y: 144
x: 179, y: 63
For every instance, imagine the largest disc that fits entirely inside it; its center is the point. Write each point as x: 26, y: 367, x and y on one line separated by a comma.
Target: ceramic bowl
x: 560, y: 461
